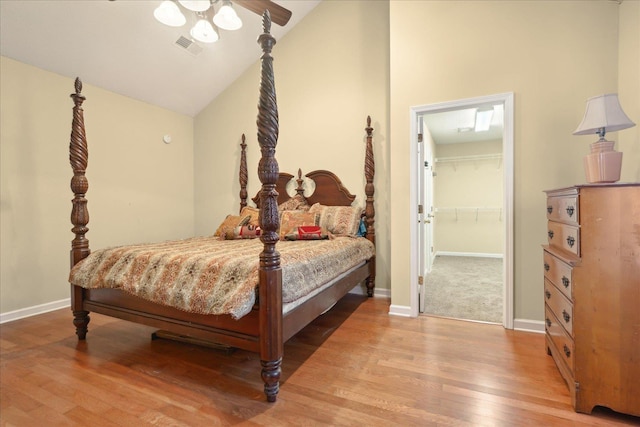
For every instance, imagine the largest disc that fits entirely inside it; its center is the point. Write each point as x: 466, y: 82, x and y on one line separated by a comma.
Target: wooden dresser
x: 592, y: 293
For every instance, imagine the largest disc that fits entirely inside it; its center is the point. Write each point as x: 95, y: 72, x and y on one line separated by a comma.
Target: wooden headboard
x: 328, y: 190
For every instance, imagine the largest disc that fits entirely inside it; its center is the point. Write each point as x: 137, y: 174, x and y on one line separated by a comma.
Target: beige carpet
x: 467, y: 288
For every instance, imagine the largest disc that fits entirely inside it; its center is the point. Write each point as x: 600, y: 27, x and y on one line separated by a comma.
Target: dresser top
x: 575, y: 188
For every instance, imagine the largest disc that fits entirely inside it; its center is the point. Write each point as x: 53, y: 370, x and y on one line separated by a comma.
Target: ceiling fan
x: 224, y: 18
x: 279, y: 14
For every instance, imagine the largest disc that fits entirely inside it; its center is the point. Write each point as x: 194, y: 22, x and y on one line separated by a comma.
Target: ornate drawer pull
x: 567, y: 352
x: 571, y: 241
x: 548, y: 322
x: 547, y: 294
x: 550, y: 234
x: 565, y: 281
x: 549, y: 209
x: 570, y: 210
x: 566, y: 316
x: 546, y: 267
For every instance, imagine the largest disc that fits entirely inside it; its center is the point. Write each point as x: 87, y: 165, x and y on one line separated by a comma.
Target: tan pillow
x: 296, y: 203
x: 338, y: 220
x: 291, y: 220
x: 230, y: 223
x: 254, y: 213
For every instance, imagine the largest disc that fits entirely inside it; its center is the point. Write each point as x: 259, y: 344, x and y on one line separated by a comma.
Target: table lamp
x: 603, y: 114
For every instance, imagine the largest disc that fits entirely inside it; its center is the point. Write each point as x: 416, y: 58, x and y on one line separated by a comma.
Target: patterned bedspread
x: 208, y: 275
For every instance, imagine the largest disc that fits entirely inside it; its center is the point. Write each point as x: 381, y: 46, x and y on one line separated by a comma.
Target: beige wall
x: 464, y: 185
x: 628, y: 140
x: 553, y: 56
x: 328, y: 79
x: 140, y: 189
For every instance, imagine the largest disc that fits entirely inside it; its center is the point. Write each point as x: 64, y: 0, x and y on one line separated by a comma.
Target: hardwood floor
x: 355, y: 365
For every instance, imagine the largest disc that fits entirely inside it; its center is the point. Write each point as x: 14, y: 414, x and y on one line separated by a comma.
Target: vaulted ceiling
x: 119, y: 46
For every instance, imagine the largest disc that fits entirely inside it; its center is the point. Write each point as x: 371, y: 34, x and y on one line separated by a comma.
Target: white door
x: 425, y: 210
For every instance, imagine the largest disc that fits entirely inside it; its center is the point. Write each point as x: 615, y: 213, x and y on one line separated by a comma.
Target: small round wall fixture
x: 166, y: 139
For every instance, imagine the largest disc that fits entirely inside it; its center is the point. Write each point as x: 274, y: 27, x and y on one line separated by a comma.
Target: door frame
x: 426, y: 217
x: 507, y: 99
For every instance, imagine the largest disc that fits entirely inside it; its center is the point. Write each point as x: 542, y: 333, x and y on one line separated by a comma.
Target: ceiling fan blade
x: 279, y: 14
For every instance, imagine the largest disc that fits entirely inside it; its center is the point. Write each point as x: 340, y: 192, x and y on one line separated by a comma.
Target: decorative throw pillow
x: 291, y: 220
x: 338, y: 220
x: 231, y: 222
x: 307, y: 232
x: 254, y: 213
x: 243, y: 232
x: 296, y: 203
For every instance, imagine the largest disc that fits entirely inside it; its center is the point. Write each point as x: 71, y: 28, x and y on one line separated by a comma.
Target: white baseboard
x: 474, y: 254
x: 35, y: 310
x: 400, y: 310
x: 528, y: 325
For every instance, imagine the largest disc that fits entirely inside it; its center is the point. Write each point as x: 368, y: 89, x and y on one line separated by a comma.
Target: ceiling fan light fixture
x: 196, y: 5
x: 227, y: 18
x: 169, y: 14
x: 204, y: 32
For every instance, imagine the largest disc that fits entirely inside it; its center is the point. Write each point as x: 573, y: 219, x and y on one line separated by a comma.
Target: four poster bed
x: 252, y: 294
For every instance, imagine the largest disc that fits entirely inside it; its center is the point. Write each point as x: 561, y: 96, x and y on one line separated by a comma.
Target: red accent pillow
x: 307, y: 232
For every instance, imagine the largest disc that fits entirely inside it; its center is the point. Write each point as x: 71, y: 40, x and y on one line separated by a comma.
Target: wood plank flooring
x: 353, y: 366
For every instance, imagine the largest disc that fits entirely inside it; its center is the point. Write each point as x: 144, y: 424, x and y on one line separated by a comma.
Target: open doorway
x: 464, y: 193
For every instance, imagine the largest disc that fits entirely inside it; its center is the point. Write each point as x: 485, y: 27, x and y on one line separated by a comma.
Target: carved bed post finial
x: 244, y: 175
x: 300, y: 182
x: 270, y: 273
x: 369, y: 172
x: 79, y: 157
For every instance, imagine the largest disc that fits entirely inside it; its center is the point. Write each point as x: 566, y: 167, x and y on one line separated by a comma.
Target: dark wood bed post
x: 244, y: 174
x: 78, y: 157
x: 270, y: 272
x: 369, y: 189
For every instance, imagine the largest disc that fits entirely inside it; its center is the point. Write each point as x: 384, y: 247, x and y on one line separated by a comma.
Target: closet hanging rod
x: 468, y: 209
x: 476, y: 210
x: 468, y: 158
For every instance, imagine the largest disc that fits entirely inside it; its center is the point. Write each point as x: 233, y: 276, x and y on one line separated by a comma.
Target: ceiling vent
x: 188, y: 45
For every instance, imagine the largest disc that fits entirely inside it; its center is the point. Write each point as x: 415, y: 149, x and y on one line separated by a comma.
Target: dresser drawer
x: 562, y: 342
x: 559, y: 273
x: 561, y: 307
x: 564, y: 236
x: 563, y: 209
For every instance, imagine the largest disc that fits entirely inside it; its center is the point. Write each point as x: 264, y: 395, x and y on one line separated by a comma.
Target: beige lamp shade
x: 603, y: 114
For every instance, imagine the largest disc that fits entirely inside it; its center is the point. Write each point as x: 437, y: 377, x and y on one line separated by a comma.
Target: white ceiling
x: 120, y: 47
x: 456, y: 126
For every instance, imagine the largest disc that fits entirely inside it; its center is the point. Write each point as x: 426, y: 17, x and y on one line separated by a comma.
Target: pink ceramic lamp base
x: 603, y: 164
